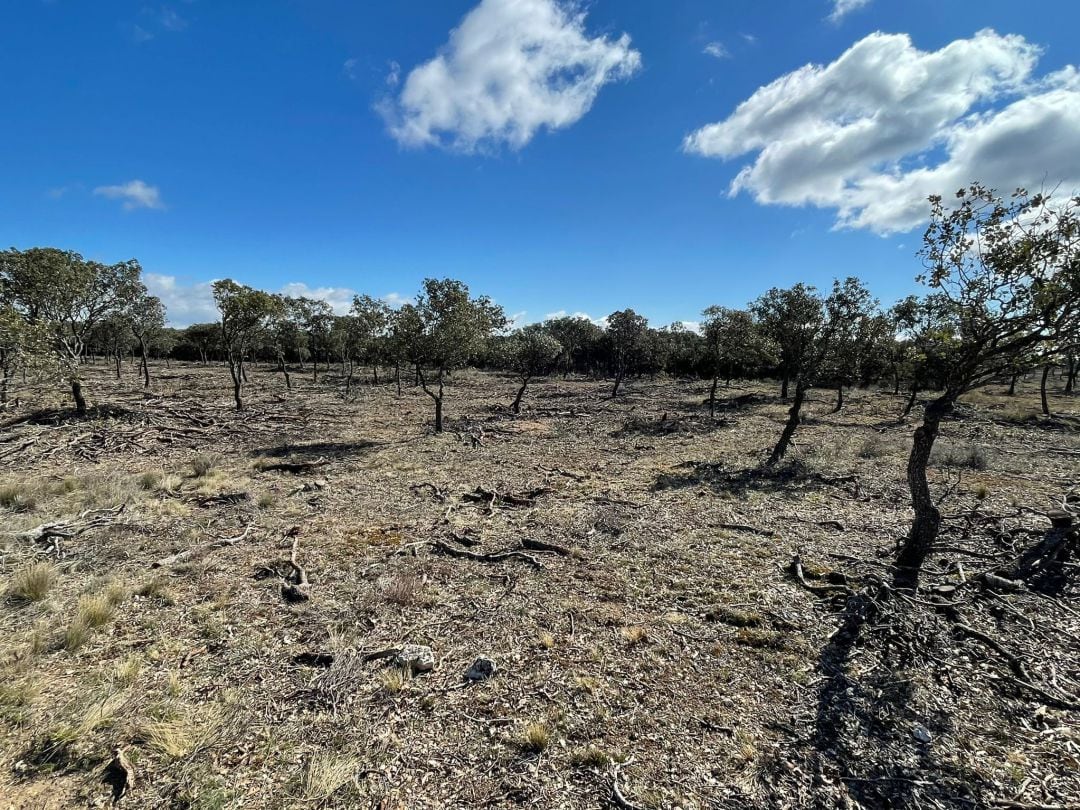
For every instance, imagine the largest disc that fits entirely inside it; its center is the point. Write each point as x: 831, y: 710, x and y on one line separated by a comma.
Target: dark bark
x: 145, y: 364
x: 1012, y: 383
x: 784, y: 388
x: 375, y: 373
x: 1070, y: 377
x: 792, y: 424
x: 285, y: 371
x: 1042, y: 390
x: 77, y: 395
x: 927, y: 521
x: 516, y: 407
x: 236, y: 372
x: 618, y: 382
x: 437, y: 397
x: 839, y: 399
x: 397, y: 377
x: 912, y: 398
x: 119, y: 363
x: 712, y: 396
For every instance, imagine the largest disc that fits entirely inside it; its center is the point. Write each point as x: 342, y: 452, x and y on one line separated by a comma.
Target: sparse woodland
x: 819, y: 553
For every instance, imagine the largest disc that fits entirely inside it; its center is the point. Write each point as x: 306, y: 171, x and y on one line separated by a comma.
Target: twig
x: 616, y: 793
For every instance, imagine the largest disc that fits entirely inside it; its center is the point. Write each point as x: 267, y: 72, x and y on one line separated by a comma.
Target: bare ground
x: 648, y: 618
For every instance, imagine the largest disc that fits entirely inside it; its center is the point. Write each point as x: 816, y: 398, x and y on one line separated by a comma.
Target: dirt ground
x: 653, y: 648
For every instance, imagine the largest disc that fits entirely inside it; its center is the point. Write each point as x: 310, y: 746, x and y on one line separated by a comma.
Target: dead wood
x: 220, y: 499
x: 497, y: 556
x: 64, y: 530
x: 742, y: 527
x: 296, y: 587
x: 200, y: 551
x: 617, y: 795
x: 533, y: 544
x: 492, y: 498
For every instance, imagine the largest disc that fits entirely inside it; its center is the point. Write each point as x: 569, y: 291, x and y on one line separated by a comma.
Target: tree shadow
x: 57, y: 416
x: 867, y: 725
x: 313, y: 450
x: 1047, y: 567
x: 665, y: 426
x: 788, y: 476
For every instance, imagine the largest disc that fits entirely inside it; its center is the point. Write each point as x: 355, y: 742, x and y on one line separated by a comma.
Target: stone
x: 482, y: 669
x: 415, y: 658
x: 921, y: 734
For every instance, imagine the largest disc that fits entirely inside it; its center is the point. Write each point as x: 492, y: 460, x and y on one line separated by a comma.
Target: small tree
x: 146, y: 318
x: 530, y: 352
x: 24, y: 347
x: 1005, y: 282
x: 245, y: 314
x: 452, y: 329
x: 577, y: 335
x: 733, y: 344
x: 372, y: 320
x: 626, y: 342
x: 70, y: 294
x: 112, y: 337
x: 204, y: 337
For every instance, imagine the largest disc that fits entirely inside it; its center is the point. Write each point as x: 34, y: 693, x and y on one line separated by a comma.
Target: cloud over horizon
x: 134, y: 194
x: 877, y: 131
x: 510, y: 69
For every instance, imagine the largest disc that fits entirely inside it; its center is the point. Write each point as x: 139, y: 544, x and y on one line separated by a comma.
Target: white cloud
x: 185, y: 304
x: 750, y: 39
x: 170, y: 20
x: 562, y: 313
x: 511, y: 68
x: 841, y: 8
x: 393, y: 76
x: 717, y: 50
x: 349, y: 67
x: 873, y: 134
x: 135, y: 194
x: 339, y: 298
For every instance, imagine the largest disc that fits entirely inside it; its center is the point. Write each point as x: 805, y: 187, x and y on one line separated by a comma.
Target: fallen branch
x: 742, y: 527
x: 59, y: 530
x: 497, y: 556
x: 294, y: 467
x: 541, y: 545
x: 296, y: 588
x: 200, y: 551
x: 616, y: 792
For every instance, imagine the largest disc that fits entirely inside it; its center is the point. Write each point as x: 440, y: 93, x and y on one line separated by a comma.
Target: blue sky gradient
x: 257, y: 124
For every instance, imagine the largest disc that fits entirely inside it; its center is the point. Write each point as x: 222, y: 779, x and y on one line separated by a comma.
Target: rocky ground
x: 205, y: 609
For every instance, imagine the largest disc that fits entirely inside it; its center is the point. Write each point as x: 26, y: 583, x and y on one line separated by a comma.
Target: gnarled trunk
x: 927, y: 521
x: 236, y: 371
x: 77, y: 396
x: 516, y: 407
x: 784, y: 388
x: 1042, y: 391
x: 145, y: 365
x: 792, y: 424
x: 911, y: 402
x: 839, y: 399
x: 712, y: 395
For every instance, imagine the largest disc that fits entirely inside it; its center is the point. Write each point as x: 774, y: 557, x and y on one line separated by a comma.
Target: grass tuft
x: 33, y: 583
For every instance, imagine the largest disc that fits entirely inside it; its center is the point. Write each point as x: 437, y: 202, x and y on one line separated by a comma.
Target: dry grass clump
x: 157, y: 588
x: 971, y: 457
x: 393, y: 680
x: 203, y: 464
x: 94, y: 611
x: 536, y: 738
x: 32, y: 583
x: 634, y: 635
x: 98, y: 715
x: 151, y: 479
x: 18, y: 498
x: 875, y: 446
x: 184, y: 734
x: 326, y: 774
x: 734, y: 617
x: 15, y: 700
x: 760, y: 639
x: 404, y: 589
x: 589, y: 757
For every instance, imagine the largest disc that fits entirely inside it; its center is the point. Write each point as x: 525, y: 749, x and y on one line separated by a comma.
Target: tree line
x: 1002, y: 278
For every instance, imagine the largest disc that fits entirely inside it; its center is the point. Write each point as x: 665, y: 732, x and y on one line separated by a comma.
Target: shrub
x: 17, y: 498
x: 204, y: 464
x: 972, y: 458
x: 536, y: 738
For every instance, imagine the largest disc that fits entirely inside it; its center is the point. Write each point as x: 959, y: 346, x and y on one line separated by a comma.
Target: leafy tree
x: 626, y: 341
x: 245, y: 314
x: 403, y: 340
x: 789, y: 318
x: 1004, y: 277
x: 452, y: 328
x: 733, y: 344
x: 112, y: 337
x: 70, y: 294
x: 530, y: 351
x: 24, y: 347
x: 204, y: 337
x: 372, y: 320
x: 316, y: 319
x: 145, y: 315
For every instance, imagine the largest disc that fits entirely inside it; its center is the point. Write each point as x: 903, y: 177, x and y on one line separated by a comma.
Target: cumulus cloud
x: 339, y: 298
x: 562, y: 313
x: 134, y: 194
x: 841, y: 8
x: 876, y: 132
x: 511, y: 68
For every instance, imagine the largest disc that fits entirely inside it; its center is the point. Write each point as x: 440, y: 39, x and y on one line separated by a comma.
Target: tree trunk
x: 618, y: 382
x: 839, y: 399
x: 77, y: 395
x: 1042, y: 391
x: 119, y: 362
x: 375, y: 373
x: 712, y: 396
x: 789, y: 429
x: 910, y: 402
x: 438, y: 414
x: 1070, y: 379
x: 237, y: 381
x: 927, y: 521
x: 784, y: 388
x: 896, y: 383
x: 145, y: 364
x: 1012, y: 383
x: 285, y: 371
x: 397, y: 377
x: 516, y: 407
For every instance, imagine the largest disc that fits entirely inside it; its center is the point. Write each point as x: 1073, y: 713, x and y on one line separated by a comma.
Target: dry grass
x: 187, y: 733
x: 32, y: 583
x: 326, y: 774
x: 536, y: 738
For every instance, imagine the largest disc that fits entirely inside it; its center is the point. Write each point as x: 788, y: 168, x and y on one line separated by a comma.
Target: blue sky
x: 315, y: 147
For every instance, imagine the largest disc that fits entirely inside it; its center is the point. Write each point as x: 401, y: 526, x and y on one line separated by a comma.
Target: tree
x: 245, y: 314
x: 577, y: 335
x: 1004, y: 277
x: 316, y: 319
x: 529, y: 352
x: 810, y: 332
x: 625, y: 339
x: 146, y: 318
x: 204, y: 337
x: 733, y: 344
x: 23, y: 347
x: 112, y: 337
x: 452, y: 327
x: 372, y: 319
x: 71, y: 295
